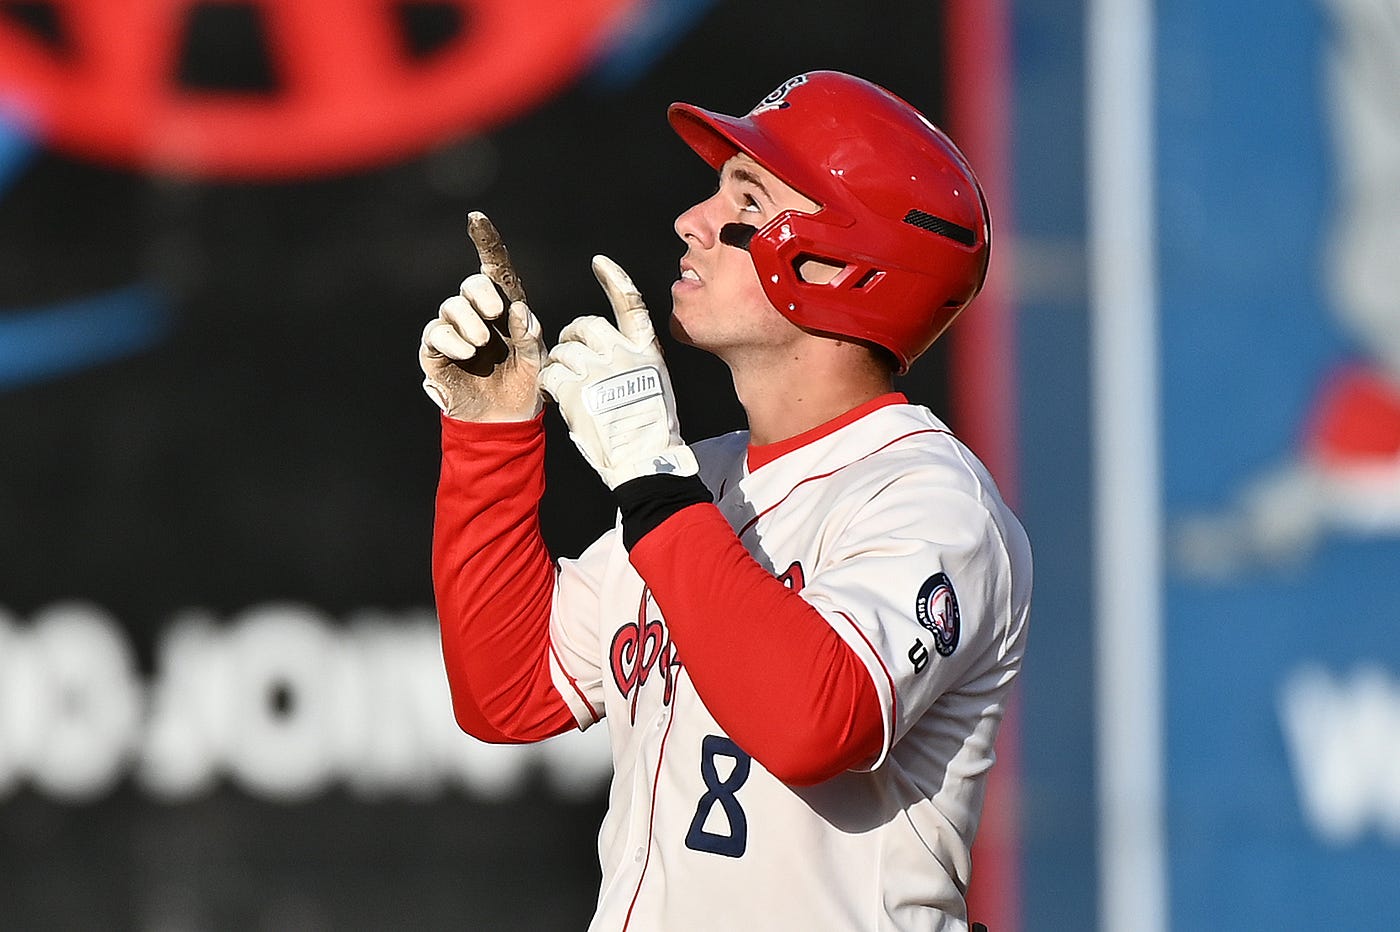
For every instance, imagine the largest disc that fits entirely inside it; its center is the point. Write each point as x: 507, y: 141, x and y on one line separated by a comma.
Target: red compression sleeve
x: 494, y: 582
x: 769, y: 668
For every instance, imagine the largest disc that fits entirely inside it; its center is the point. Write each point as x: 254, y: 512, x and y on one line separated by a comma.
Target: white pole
x: 1127, y: 513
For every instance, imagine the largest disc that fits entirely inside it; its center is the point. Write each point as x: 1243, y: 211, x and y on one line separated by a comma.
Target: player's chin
x: 678, y: 330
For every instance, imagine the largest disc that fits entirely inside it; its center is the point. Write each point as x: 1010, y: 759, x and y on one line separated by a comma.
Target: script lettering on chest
x: 640, y: 647
x: 793, y: 577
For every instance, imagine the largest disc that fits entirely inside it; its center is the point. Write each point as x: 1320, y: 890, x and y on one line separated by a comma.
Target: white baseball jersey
x: 895, y: 533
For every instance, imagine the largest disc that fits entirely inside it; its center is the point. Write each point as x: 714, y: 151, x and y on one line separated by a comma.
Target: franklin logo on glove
x: 623, y: 389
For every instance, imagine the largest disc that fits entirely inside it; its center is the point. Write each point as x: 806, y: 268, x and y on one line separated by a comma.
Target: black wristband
x: 648, y: 500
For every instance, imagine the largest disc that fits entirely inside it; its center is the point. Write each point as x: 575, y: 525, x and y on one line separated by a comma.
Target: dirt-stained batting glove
x: 481, y: 359
x: 613, y: 389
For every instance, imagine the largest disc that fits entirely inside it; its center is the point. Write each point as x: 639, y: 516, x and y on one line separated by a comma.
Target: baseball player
x: 801, y: 635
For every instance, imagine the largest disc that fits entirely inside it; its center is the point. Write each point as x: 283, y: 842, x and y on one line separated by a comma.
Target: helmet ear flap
x: 880, y: 301
x: 802, y: 266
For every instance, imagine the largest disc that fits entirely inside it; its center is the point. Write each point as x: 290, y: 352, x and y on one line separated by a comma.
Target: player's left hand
x: 614, y: 391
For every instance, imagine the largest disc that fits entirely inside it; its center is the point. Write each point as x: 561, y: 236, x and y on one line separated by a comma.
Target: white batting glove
x: 480, y: 359
x: 614, y: 391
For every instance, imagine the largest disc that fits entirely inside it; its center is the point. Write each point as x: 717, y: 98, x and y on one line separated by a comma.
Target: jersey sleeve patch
x: 936, y: 609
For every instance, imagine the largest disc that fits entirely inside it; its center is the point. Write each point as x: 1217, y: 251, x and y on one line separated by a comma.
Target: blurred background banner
x: 222, y: 227
x: 1280, y: 325
x: 1208, y: 212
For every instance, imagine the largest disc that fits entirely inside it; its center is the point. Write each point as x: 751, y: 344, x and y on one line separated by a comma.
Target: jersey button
x: 639, y: 854
x: 660, y: 719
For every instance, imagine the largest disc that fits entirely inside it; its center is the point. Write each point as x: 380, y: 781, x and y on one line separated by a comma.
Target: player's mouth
x: 688, y: 280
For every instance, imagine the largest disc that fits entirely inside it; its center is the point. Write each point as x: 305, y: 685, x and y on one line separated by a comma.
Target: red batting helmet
x: 900, y: 208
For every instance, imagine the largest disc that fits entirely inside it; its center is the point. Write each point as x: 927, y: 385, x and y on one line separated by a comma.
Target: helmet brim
x: 718, y: 137
x: 715, y: 137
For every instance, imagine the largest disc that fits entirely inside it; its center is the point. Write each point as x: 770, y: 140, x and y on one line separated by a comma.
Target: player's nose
x: 695, y: 226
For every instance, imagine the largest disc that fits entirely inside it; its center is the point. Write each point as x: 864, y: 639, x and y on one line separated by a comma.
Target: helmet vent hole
x: 953, y: 231
x: 813, y: 269
x: 868, y: 280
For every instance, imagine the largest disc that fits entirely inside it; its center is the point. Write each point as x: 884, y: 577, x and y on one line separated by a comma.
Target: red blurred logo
x: 349, y: 91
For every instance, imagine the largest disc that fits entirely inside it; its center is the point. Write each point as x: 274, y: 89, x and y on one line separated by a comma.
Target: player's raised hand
x: 481, y: 358
x: 613, y: 389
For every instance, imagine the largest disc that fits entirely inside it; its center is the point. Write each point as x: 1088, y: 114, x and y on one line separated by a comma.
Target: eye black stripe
x: 737, y: 235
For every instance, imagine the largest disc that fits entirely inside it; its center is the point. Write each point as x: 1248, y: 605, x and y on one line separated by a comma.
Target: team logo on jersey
x: 638, y: 648
x: 777, y: 100
x: 937, y: 610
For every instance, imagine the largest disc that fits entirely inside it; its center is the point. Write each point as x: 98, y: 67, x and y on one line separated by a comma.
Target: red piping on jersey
x: 763, y: 454
x: 573, y: 682
x: 894, y: 695
x: 651, y: 818
x: 912, y: 433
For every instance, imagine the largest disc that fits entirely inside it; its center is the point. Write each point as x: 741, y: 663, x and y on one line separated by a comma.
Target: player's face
x: 718, y: 303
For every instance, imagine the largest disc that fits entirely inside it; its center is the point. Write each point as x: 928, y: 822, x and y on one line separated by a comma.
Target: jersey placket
x: 649, y: 737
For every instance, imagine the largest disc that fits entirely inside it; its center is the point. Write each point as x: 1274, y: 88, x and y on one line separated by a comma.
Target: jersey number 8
x: 722, y: 792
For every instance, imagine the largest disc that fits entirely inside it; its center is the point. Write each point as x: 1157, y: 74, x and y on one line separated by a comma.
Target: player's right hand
x: 481, y: 358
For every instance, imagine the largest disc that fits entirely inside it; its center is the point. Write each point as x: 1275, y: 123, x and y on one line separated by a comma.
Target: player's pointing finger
x: 495, y: 260
x: 631, y: 311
